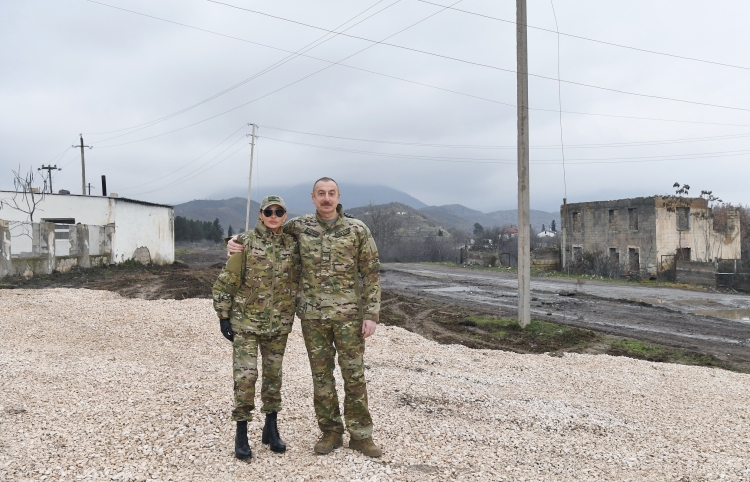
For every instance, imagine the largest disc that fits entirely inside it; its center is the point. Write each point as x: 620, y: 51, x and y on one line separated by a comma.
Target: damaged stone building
x: 645, y: 234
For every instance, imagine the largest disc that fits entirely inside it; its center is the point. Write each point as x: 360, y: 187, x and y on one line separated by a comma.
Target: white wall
x: 139, y: 225
x: 136, y: 224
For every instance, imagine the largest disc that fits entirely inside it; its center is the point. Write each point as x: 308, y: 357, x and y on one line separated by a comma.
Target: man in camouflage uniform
x: 337, y: 314
x: 255, y: 298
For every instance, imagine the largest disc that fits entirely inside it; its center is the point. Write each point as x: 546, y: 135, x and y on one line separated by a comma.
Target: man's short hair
x: 325, y: 179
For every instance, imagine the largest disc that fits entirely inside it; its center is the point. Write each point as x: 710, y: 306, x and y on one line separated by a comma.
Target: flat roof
x: 118, y: 198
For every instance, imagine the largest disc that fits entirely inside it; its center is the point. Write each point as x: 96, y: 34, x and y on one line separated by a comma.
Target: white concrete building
x: 137, y: 224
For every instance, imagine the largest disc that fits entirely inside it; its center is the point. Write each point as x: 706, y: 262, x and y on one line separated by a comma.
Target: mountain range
x: 231, y: 211
x: 297, y: 198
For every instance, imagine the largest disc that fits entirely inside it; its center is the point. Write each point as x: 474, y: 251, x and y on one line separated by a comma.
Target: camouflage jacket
x: 333, y: 257
x: 263, y: 301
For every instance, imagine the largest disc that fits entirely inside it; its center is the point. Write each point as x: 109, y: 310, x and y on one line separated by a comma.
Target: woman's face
x: 274, y: 221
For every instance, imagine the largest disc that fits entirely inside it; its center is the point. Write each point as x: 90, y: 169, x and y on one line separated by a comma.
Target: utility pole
x: 83, y: 166
x: 89, y: 184
x: 524, y: 232
x: 564, y: 222
x: 49, y: 170
x: 250, y: 177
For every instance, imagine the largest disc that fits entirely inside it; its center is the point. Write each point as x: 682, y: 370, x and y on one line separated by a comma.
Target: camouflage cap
x: 270, y: 201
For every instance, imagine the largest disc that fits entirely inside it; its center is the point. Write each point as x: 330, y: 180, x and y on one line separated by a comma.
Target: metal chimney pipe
x: 104, y: 185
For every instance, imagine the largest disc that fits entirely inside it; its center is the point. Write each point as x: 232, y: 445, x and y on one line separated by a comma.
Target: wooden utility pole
x: 524, y: 224
x: 49, y: 170
x: 250, y: 178
x: 83, y: 166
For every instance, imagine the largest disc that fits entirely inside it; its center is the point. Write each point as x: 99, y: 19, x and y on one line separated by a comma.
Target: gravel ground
x: 96, y: 386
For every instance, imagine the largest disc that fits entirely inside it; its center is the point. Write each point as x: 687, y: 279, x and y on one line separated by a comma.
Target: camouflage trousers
x: 245, y: 371
x: 323, y: 339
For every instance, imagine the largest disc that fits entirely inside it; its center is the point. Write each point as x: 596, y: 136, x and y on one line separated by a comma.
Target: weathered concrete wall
x: 704, y: 242
x: 598, y: 230
x: 43, y: 258
x: 138, y: 223
x: 153, y: 229
x: 545, y: 259
x: 696, y: 273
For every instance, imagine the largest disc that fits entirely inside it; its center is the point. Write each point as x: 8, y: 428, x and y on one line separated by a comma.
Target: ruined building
x: 646, y: 233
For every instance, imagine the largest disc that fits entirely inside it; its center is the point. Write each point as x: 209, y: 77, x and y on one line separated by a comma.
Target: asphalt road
x: 694, y: 320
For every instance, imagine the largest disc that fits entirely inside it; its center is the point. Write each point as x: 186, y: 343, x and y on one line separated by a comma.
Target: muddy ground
x: 661, y: 316
x: 475, y: 308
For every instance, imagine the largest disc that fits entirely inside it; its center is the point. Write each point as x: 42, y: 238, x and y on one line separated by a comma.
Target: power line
x: 480, y: 64
x: 474, y: 160
x: 189, y: 163
x: 559, y: 103
x: 264, y: 71
x: 553, y: 146
x: 186, y: 178
x: 694, y: 59
x: 284, y: 87
x: 653, y: 119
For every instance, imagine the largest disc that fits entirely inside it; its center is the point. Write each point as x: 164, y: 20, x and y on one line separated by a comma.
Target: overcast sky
x: 74, y: 66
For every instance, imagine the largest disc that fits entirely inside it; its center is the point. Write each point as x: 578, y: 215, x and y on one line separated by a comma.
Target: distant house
x: 509, y: 233
x: 645, y: 233
x: 109, y: 229
x: 546, y: 234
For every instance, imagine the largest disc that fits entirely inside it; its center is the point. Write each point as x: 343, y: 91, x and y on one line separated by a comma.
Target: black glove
x: 226, y: 329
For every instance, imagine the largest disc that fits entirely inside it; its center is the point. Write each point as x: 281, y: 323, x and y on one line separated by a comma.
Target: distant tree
x: 543, y: 229
x: 215, y: 232
x: 440, y: 232
x: 25, y: 199
x: 553, y: 226
x: 230, y: 231
x: 478, y: 229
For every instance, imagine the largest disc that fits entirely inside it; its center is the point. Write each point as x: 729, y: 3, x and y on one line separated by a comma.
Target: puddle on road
x: 650, y: 301
x: 737, y: 314
x: 451, y: 289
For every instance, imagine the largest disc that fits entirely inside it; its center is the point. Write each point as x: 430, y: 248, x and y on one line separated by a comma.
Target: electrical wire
x: 559, y: 103
x: 694, y: 59
x: 653, y: 119
x: 189, y: 163
x: 553, y: 146
x: 280, y: 88
x: 185, y: 178
x: 314, y: 44
x: 480, y: 64
x: 473, y: 160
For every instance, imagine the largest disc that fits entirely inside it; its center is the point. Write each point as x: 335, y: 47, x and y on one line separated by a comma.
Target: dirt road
x: 662, y: 315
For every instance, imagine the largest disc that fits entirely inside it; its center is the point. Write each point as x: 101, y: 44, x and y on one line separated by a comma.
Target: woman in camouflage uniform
x: 255, y: 299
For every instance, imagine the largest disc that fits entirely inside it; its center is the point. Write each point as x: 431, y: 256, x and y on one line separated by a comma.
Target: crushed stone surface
x: 94, y: 386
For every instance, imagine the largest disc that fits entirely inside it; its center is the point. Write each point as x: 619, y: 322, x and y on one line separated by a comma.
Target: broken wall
x: 624, y: 228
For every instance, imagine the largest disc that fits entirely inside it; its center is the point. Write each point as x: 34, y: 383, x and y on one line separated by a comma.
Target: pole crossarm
x: 49, y: 169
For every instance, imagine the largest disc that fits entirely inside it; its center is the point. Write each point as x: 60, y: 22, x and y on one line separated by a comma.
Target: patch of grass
x: 646, y: 351
x: 538, y: 337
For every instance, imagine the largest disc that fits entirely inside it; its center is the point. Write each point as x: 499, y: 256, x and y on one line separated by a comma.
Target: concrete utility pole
x: 564, y: 222
x: 83, y: 166
x: 524, y: 232
x: 250, y: 177
x: 49, y: 170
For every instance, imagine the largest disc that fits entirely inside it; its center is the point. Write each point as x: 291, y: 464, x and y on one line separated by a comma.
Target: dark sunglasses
x: 270, y: 212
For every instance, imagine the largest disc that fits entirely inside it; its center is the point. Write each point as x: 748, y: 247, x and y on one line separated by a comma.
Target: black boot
x: 241, y: 446
x: 271, y: 434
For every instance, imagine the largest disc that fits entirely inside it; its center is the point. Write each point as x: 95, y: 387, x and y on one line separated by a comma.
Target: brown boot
x: 366, y: 446
x: 328, y: 442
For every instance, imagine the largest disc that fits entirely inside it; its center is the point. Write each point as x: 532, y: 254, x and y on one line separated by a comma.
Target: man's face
x: 325, y: 196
